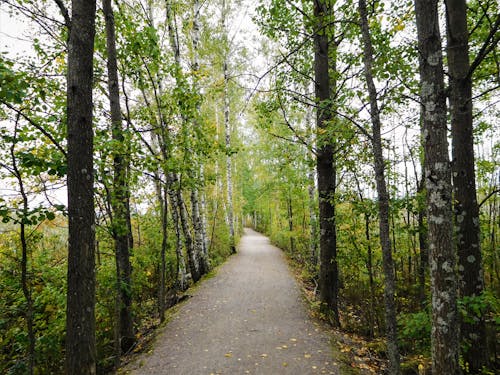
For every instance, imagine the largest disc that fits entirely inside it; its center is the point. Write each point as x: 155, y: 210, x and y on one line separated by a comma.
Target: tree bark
x: 444, y: 334
x: 227, y: 130
x: 80, y: 322
x: 328, y: 274
x: 181, y: 263
x: 196, y: 198
x: 192, y: 256
x: 120, y: 193
x: 466, y: 209
x: 383, y: 198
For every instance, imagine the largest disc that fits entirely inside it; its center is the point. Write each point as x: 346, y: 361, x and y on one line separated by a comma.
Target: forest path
x: 248, y: 319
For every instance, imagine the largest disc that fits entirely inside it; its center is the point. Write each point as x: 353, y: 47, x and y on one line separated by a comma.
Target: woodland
x: 139, y: 137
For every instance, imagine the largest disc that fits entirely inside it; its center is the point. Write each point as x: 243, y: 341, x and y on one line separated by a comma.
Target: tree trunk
x: 328, y: 274
x: 470, y: 273
x: 120, y: 194
x: 25, y: 279
x: 196, y: 204
x: 383, y: 198
x: 290, y: 223
x: 227, y: 130
x: 163, y: 252
x: 444, y: 334
x: 192, y: 258
x: 181, y: 263
x: 80, y: 318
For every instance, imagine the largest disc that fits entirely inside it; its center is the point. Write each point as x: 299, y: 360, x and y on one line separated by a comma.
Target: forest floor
x: 248, y: 319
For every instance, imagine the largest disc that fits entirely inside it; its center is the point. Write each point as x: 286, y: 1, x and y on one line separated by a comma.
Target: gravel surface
x: 248, y: 319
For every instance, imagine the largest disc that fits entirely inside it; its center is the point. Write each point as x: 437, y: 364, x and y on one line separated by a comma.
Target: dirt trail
x: 249, y: 319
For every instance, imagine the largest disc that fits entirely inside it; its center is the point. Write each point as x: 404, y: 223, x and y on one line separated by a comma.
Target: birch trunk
x: 444, y: 334
x: 181, y: 263
x: 196, y: 202
x: 383, y: 198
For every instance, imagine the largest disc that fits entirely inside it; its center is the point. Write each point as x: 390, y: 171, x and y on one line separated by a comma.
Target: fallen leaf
x: 284, y: 364
x: 263, y: 355
x: 307, y: 356
x: 228, y: 355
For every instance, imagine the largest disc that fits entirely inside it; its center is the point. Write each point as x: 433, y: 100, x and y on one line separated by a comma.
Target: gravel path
x: 248, y: 319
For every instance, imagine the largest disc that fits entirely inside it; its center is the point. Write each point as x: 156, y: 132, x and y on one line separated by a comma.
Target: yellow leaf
x: 284, y: 364
x: 228, y: 355
x: 307, y: 356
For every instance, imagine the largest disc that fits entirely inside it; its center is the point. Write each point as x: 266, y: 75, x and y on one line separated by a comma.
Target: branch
x: 488, y: 197
x: 299, y: 137
x: 64, y: 12
x: 37, y: 126
x: 489, y: 45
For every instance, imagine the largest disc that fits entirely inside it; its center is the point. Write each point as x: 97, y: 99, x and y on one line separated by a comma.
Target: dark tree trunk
x: 80, y: 322
x: 383, y: 198
x: 290, y: 223
x: 442, y: 259
x: 470, y: 274
x: 25, y: 279
x: 328, y: 274
x: 120, y: 193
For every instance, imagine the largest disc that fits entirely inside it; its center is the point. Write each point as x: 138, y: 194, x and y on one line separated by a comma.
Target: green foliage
x: 415, y: 331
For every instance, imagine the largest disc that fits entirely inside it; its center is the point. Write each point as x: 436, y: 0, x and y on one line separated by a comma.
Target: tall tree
x: 120, y: 192
x: 442, y: 259
x: 383, y: 196
x: 80, y: 317
x: 471, y: 284
x: 325, y: 164
x: 227, y: 130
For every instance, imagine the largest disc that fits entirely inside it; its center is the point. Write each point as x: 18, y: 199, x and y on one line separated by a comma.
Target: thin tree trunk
x: 471, y: 283
x: 444, y: 334
x: 383, y: 198
x: 181, y: 263
x: 119, y: 200
x: 196, y: 206
x: 163, y: 252
x: 328, y: 275
x: 290, y: 223
x: 193, y: 262
x: 25, y: 282
x: 227, y: 130
x: 80, y: 317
